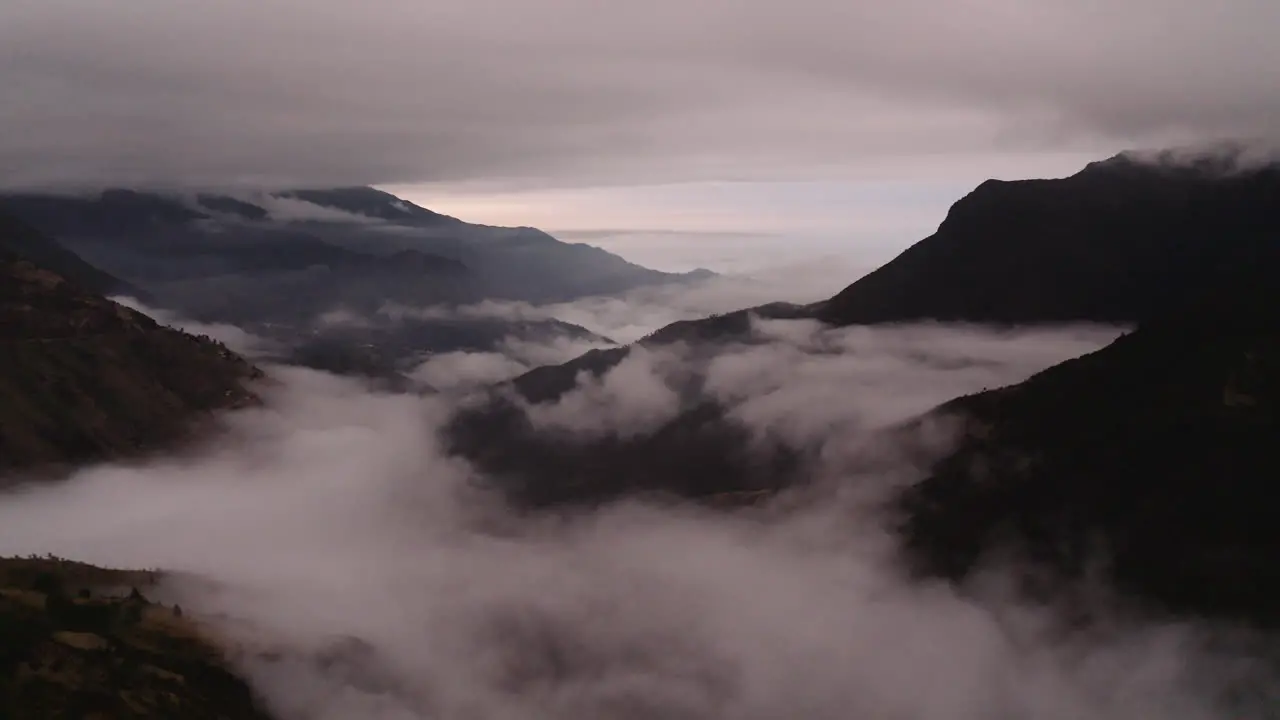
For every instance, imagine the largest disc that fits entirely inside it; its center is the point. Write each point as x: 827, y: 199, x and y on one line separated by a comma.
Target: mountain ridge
x: 1151, y: 459
x: 84, y: 379
x: 278, y: 263
x: 1097, y: 291
x: 1215, y: 284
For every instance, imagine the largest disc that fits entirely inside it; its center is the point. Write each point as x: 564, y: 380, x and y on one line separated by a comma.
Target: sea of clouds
x: 358, y: 570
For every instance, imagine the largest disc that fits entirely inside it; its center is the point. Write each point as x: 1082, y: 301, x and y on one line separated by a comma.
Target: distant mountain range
x: 275, y: 262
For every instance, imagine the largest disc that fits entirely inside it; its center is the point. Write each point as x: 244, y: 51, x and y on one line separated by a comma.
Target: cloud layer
x: 361, y: 574
x: 359, y: 570
x: 391, y: 91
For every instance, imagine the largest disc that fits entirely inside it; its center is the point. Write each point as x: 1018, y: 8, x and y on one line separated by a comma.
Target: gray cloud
x: 391, y: 91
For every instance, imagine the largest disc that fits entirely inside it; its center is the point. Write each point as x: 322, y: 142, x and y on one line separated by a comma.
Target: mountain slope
x: 1155, y: 456
x: 75, y: 642
x: 20, y: 239
x: 179, y: 234
x: 1115, y: 243
x: 281, y: 262
x: 1112, y: 243
x: 1119, y: 241
x: 82, y: 378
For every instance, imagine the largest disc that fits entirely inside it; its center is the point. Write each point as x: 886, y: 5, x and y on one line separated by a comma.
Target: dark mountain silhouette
x: 1153, y: 458
x: 83, y: 378
x: 1161, y: 431
x: 1113, y: 243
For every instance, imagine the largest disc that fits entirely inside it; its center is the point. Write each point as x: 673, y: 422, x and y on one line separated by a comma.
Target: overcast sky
x: 483, y: 101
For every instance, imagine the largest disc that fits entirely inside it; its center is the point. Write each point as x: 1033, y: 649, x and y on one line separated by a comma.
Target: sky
x: 748, y: 226
x: 855, y: 120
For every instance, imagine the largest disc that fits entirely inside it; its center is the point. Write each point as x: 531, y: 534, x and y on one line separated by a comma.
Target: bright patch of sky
x: 747, y: 227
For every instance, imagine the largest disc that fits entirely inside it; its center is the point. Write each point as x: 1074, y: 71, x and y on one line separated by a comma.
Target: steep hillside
x: 1153, y: 459
x: 82, y: 378
x: 281, y: 262
x: 152, y: 238
x: 1119, y: 242
x: 19, y: 238
x: 1113, y: 243
x: 78, y: 641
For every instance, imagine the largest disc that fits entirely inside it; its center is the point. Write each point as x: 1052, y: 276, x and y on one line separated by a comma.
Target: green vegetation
x: 78, y: 641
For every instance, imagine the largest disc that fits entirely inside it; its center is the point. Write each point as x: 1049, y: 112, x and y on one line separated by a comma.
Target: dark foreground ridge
x: 1152, y: 459
x: 77, y: 641
x: 85, y: 379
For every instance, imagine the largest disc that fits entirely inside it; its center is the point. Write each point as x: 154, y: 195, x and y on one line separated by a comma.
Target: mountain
x: 387, y: 349
x: 81, y: 641
x: 155, y: 237
x: 1153, y: 458
x: 277, y: 262
x: 1113, y: 243
x: 1121, y: 241
x: 20, y: 239
x: 83, y: 378
x: 372, y: 203
x: 1151, y: 461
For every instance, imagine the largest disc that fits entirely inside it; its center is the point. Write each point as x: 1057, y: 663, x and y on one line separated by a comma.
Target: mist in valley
x: 356, y: 569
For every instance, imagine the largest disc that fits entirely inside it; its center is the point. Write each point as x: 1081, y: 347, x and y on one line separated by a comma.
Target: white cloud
x: 628, y: 317
x: 363, y: 572
x: 466, y: 370
x: 362, y: 575
x: 287, y: 209
x: 632, y: 398
x: 232, y: 336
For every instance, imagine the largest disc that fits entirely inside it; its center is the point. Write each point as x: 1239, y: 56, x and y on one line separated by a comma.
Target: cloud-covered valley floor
x: 364, y: 572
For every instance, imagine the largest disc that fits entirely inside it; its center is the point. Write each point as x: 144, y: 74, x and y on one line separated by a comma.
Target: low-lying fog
x: 367, y: 574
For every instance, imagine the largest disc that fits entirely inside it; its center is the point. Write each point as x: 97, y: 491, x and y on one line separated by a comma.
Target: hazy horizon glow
x: 863, y: 219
